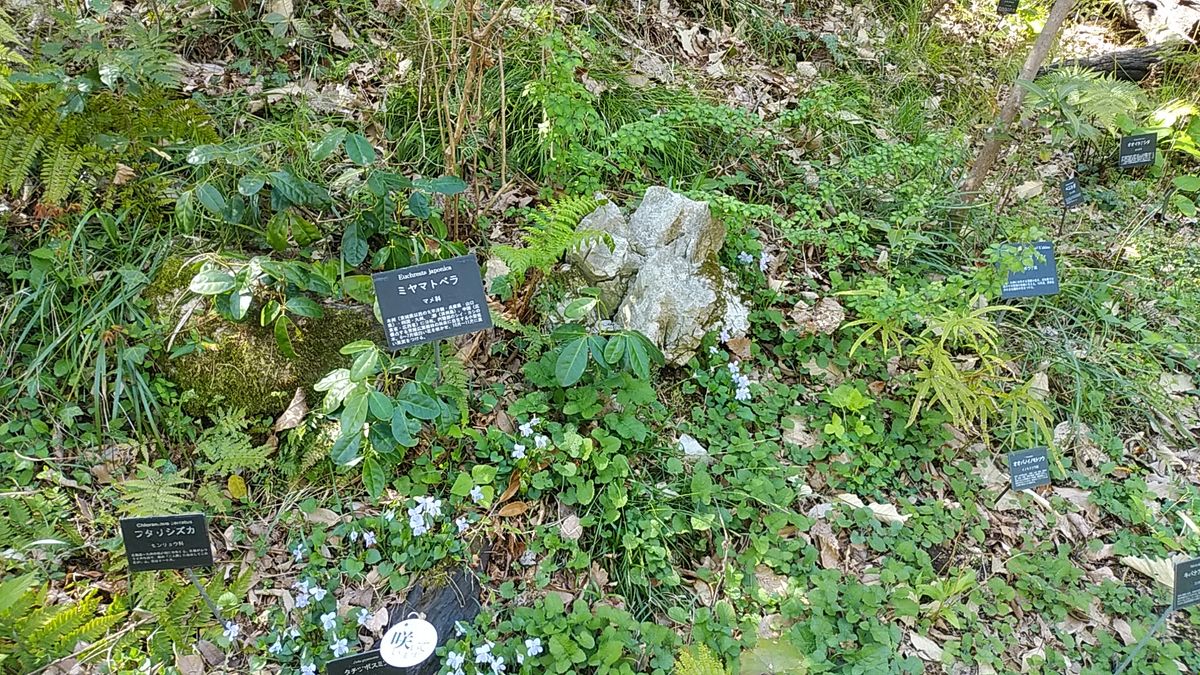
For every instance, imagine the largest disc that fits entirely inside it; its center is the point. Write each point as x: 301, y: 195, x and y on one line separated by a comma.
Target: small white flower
x: 368, y: 539
x: 308, y: 669
x: 455, y: 660
x: 498, y: 665
x: 734, y: 368
x: 298, y: 552
x: 476, y: 494
x: 353, y: 536
x: 232, y: 630
x: 520, y: 657
x: 418, y: 526
x: 483, y: 653
x: 292, y: 632
x: 518, y: 451
x: 541, y: 442
x: 764, y: 260
x: 329, y: 621
x: 339, y: 648
x: 389, y: 515
x: 713, y: 350
x: 276, y: 648
x: 301, y: 586
x: 527, y: 428
x: 363, y: 617
x: 302, y: 600
x: 745, y: 258
x: 742, y: 394
x: 533, y: 646
x: 724, y: 336
x: 319, y: 593
x: 463, y: 524
x: 528, y: 558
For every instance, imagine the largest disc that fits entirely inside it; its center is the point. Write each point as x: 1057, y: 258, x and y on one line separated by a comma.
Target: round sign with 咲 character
x: 408, y: 643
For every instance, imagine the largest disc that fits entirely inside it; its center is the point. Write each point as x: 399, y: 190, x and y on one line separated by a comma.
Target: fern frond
x: 550, y: 233
x: 155, y: 493
x: 227, y: 446
x: 698, y: 660
x: 455, y: 385
x: 60, y: 173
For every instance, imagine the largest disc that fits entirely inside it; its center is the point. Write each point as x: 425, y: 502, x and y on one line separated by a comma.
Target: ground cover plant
x: 791, y: 459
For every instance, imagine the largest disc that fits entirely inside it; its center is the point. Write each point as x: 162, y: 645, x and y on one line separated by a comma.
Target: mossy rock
x: 241, y: 365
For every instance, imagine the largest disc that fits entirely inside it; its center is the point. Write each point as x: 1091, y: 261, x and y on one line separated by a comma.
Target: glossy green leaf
x: 420, y: 405
x: 354, y: 246
x: 1186, y: 206
x: 250, y: 185
x: 360, y: 287
x: 418, y: 205
x: 402, y: 428
x: 212, y: 282
x: 302, y: 306
x: 374, y: 477
x: 211, y: 198
x: 277, y: 231
x: 639, y: 359
x: 380, y: 406
x: 283, y: 336
x: 1187, y: 183
x: 365, y: 365
x: 354, y: 414
x: 345, y: 449
x: 572, y: 360
x: 615, y: 349
x: 446, y: 185
x: 359, y: 149
x: 327, y: 144
x: 356, y: 347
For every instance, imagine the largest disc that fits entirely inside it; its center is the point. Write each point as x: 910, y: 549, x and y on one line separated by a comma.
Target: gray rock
x: 661, y: 275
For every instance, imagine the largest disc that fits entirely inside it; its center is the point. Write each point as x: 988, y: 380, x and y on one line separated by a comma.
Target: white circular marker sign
x: 408, y: 643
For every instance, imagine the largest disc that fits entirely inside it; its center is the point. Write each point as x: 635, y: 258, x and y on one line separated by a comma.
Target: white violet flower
x: 518, y: 451
x: 764, y: 260
x: 533, y: 646
x: 329, y: 621
x: 455, y: 660
x: 541, y: 441
x: 276, y: 648
x: 363, y: 617
x: 483, y: 653
x: 232, y: 630
x: 319, y: 593
x: 745, y: 258
x: 498, y: 665
x: 339, y: 648
x: 298, y: 552
x: 368, y: 539
x: 463, y: 524
x: 527, y: 428
x: 353, y: 536
x: 528, y: 558
x: 476, y: 494
x: 308, y: 669
x: 389, y: 515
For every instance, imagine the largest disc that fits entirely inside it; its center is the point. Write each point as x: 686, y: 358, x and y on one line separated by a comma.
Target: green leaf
x: 360, y: 287
x: 359, y: 149
x: 345, y: 449
x: 277, y: 231
x: 250, y: 185
x: 203, y: 154
x: 572, y: 360
x: 304, y: 231
x: 1186, y: 206
x: 364, y: 366
x: 354, y: 415
x: 1187, y: 183
x: 356, y: 347
x: 328, y: 143
x: 639, y: 360
x: 446, y: 185
x: 239, y: 303
x: 380, y: 406
x: 462, y: 485
x: 615, y: 349
x: 374, y: 478
x: 483, y: 474
x: 211, y: 198
x: 419, y: 404
x: 283, y: 336
x: 402, y: 428
x: 585, y: 492
x: 418, y: 205
x: 354, y: 246
x: 302, y: 306
x: 578, y: 308
x: 212, y: 282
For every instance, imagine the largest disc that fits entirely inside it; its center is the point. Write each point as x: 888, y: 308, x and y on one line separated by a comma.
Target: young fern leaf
x: 549, y: 235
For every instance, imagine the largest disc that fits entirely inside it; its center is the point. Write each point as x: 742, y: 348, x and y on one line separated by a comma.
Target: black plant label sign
x: 1137, y: 151
x: 1007, y: 7
x: 1072, y: 194
x: 431, y: 301
x: 1039, y: 278
x: 1187, y: 583
x: 367, y: 663
x: 1029, y: 468
x: 167, y: 542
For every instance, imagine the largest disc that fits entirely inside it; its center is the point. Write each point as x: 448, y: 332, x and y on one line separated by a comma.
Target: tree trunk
x: 1012, y: 103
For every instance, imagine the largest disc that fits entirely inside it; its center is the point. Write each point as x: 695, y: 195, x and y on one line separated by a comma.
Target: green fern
x: 698, y: 660
x: 33, y: 633
x: 29, y: 520
x: 227, y: 446
x: 455, y: 385
x: 1084, y: 98
x: 549, y: 235
x: 155, y: 493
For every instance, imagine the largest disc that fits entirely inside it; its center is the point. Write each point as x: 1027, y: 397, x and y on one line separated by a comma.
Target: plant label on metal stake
x: 1137, y: 151
x: 1072, y: 194
x: 1029, y: 468
x: 1039, y: 278
x: 427, y: 302
x: 1187, y: 583
x: 167, y: 542
x: 1007, y: 7
x: 367, y: 663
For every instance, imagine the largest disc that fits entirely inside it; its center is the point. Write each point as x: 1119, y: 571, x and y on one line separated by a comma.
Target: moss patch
x: 242, y: 366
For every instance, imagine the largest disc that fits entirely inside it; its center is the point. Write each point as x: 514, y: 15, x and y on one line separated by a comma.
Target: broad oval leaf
x: 250, y: 185
x: 572, y: 360
x: 212, y: 282
x: 418, y: 205
x: 328, y: 143
x: 364, y: 366
x: 354, y: 246
x: 402, y: 428
x: 203, y: 154
x: 354, y: 415
x: 345, y: 449
x: 381, y: 406
x: 356, y: 347
x: 447, y: 185
x: 1187, y: 183
x: 374, y: 478
x: 420, y: 405
x: 211, y: 198
x: 283, y: 336
x: 359, y: 149
x: 302, y: 306
x: 578, y: 308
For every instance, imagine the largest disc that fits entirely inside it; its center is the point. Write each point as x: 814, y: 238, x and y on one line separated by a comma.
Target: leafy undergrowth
x: 195, y: 197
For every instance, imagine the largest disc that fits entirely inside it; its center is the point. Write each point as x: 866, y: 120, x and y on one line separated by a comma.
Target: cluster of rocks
x: 661, y: 275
